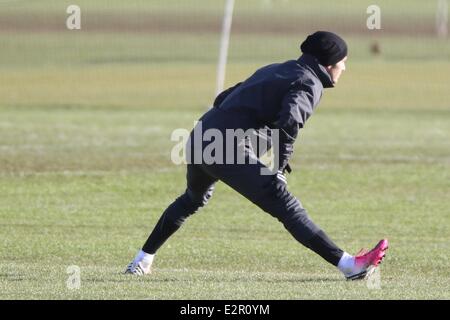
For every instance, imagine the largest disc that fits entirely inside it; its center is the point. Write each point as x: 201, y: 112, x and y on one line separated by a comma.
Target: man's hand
x: 287, y: 169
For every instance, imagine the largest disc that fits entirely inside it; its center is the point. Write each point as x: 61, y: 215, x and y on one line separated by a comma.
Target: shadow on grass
x: 11, y: 277
x: 158, y: 278
x: 250, y: 280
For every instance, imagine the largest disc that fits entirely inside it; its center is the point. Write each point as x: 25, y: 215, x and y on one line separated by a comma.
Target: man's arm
x: 264, y: 143
x: 224, y: 94
x: 297, y: 107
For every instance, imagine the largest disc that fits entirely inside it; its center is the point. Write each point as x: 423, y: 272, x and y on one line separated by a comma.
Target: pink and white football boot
x: 367, y: 261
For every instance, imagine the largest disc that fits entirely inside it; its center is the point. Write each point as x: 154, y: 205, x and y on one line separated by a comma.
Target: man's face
x: 336, y: 70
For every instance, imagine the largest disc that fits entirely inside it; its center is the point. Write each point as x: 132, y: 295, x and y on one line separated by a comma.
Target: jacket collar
x: 319, y: 70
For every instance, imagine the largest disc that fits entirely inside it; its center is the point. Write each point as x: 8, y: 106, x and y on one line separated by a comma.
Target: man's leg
x: 274, y: 198
x: 200, y: 186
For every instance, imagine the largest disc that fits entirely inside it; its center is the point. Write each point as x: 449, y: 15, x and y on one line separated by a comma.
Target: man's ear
x: 329, y: 68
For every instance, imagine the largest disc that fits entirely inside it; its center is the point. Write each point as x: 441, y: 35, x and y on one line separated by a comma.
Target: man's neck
x: 318, y: 69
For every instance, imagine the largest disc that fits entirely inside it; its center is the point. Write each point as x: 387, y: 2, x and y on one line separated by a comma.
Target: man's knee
x: 186, y: 205
x: 279, y: 202
x: 199, y: 199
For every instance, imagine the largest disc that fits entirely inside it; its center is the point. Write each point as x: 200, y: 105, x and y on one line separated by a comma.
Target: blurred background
x: 162, y: 55
x: 86, y: 117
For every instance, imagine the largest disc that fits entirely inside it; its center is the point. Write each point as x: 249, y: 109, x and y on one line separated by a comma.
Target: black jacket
x: 281, y: 96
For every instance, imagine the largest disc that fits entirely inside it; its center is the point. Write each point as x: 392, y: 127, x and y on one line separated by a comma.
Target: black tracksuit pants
x: 263, y: 190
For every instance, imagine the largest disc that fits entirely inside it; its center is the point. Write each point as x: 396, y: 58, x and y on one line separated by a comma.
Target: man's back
x: 264, y: 92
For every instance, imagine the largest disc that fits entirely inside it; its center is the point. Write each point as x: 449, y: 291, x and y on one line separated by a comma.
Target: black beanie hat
x: 327, y: 47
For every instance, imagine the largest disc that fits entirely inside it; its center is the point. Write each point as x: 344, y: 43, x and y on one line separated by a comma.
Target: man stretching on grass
x: 281, y: 97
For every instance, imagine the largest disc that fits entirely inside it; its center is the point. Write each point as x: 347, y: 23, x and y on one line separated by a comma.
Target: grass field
x: 85, y: 170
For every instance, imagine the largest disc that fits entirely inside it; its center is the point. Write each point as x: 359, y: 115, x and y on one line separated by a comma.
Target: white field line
x: 247, y: 273
x: 235, y: 273
x: 71, y: 173
x: 65, y: 146
x: 400, y: 158
x: 394, y: 158
x: 8, y: 264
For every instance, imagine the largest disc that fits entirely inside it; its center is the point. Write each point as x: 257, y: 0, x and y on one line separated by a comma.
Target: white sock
x: 144, y: 258
x: 346, y: 263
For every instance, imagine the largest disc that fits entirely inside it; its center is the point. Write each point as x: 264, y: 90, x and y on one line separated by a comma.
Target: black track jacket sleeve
x: 296, y: 108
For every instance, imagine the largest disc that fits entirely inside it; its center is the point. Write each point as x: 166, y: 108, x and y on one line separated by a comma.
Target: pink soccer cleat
x: 367, y: 261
